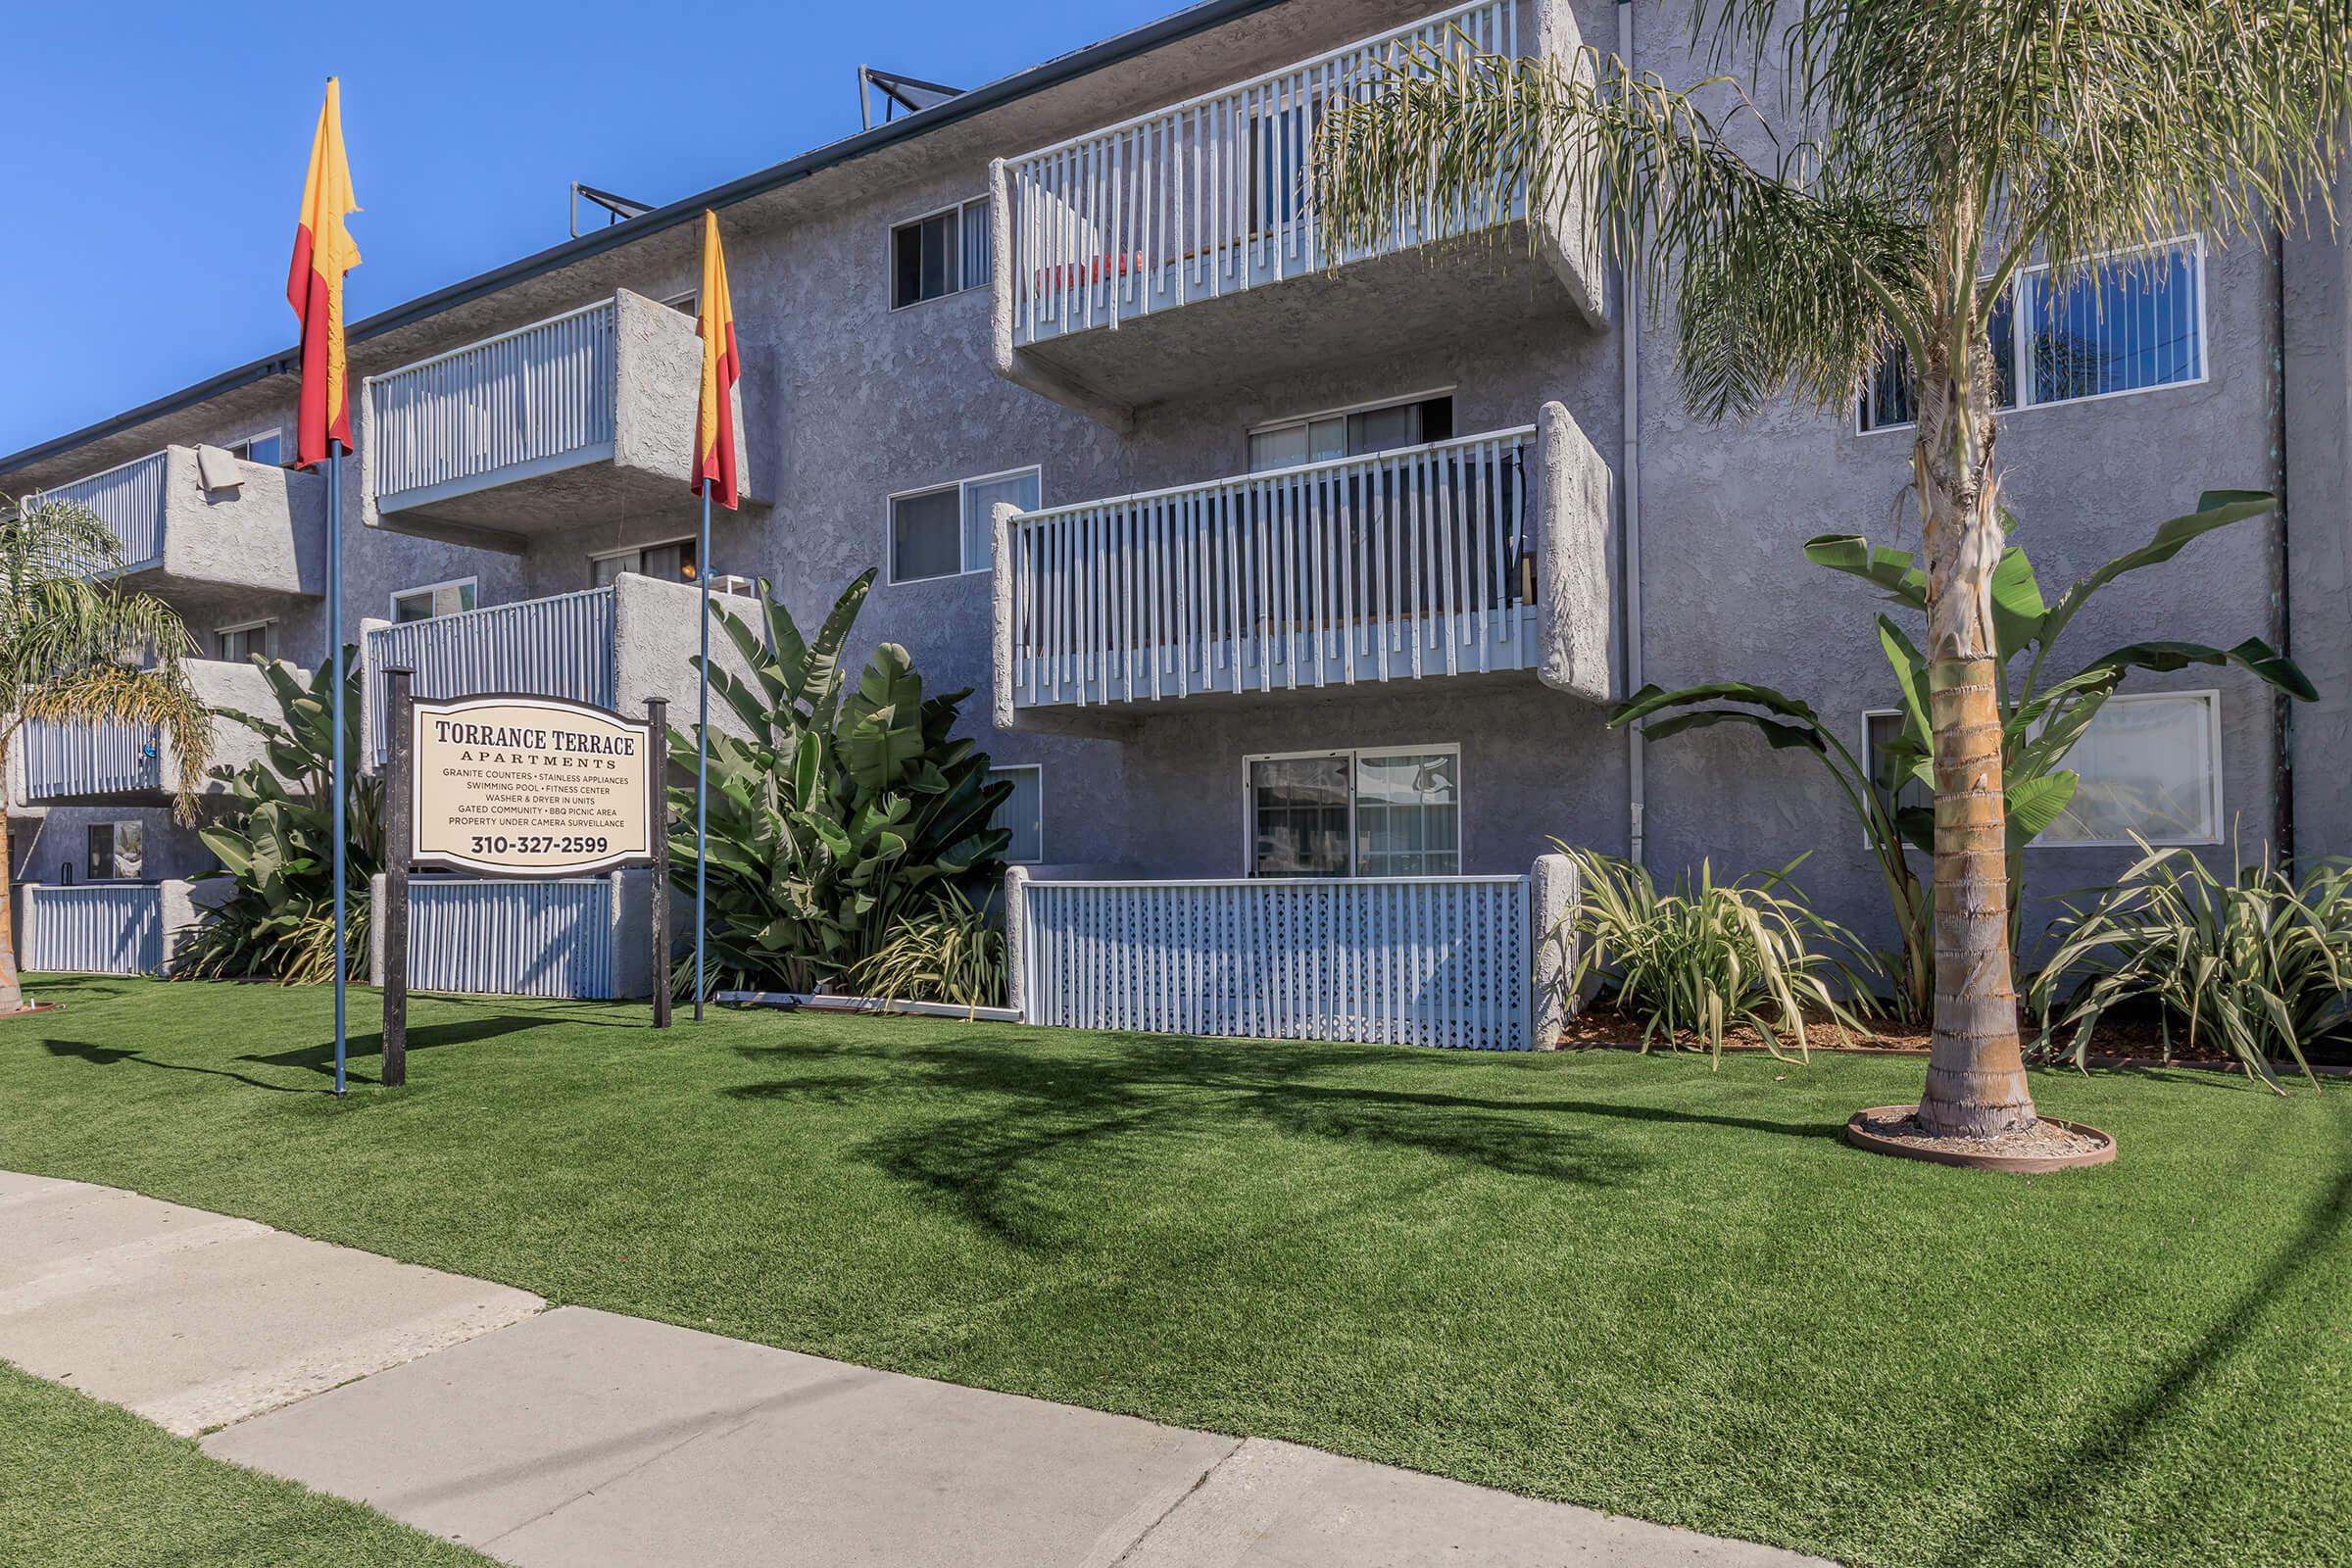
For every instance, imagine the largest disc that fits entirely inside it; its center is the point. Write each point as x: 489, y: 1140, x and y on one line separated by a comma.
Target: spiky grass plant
x: 1705, y: 959
x: 2251, y: 963
x: 949, y: 951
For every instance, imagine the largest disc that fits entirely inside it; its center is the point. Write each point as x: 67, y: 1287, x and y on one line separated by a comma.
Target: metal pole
x: 657, y: 725
x: 335, y: 782
x: 701, y: 754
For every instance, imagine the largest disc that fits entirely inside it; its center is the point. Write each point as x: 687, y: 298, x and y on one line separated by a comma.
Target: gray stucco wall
x: 848, y: 402
x: 2318, y: 367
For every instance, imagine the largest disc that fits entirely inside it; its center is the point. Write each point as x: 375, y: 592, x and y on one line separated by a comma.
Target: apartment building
x: 1293, y: 597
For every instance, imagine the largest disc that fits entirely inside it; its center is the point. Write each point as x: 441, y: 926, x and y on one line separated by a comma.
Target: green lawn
x: 1627, y: 1282
x: 94, y: 1486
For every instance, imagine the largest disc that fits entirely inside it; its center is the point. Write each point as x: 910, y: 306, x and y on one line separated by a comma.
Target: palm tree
x: 76, y: 649
x: 1919, y: 154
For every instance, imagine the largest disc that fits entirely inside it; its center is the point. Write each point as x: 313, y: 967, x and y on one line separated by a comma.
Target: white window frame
x: 688, y: 302
x: 2212, y: 698
x: 393, y: 599
x: 268, y: 622
x: 890, y: 252
x: 1039, y: 768
x: 636, y: 552
x: 2021, y: 341
x: 961, y: 487
x: 1354, y: 756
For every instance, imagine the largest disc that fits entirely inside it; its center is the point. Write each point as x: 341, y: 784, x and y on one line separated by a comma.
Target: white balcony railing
x: 129, y: 500
x: 1207, y: 197
x: 557, y: 646
x: 1404, y: 565
x: 67, y: 761
x: 525, y: 401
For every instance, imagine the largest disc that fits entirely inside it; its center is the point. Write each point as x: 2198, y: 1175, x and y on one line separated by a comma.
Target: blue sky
x: 153, y: 155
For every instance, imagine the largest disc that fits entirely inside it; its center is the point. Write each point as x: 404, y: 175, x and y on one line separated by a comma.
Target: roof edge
x: 1052, y: 73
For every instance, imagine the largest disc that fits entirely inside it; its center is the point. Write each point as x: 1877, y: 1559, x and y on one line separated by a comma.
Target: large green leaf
x: 1856, y: 557
x: 2018, y: 612
x: 2035, y: 804
x: 1654, y: 699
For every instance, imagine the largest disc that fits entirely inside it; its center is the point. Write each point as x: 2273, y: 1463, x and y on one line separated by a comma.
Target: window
x: 1357, y: 813
x: 689, y: 303
x: 1351, y: 433
x: 943, y: 252
x: 260, y: 449
x: 237, y: 644
x: 434, y: 599
x: 949, y: 529
x: 1023, y: 811
x: 2148, y: 764
x: 2135, y: 322
x: 117, y: 850
x: 671, y: 561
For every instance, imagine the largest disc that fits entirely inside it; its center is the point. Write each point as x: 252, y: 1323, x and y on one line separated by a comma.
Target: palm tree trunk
x: 1976, y: 1068
x: 11, y: 991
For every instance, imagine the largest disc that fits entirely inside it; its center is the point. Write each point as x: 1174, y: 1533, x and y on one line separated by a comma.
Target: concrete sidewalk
x: 577, y: 1437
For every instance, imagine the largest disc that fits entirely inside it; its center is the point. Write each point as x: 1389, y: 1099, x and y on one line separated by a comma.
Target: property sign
x: 530, y: 787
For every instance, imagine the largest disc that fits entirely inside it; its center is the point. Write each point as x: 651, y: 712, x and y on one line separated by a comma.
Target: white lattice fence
x: 1431, y: 961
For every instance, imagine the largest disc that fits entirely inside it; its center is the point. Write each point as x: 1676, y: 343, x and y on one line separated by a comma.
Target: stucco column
x: 375, y: 929
x: 1553, y: 890
x: 21, y: 911
x: 186, y: 904
x: 1570, y: 492
x: 1017, y: 939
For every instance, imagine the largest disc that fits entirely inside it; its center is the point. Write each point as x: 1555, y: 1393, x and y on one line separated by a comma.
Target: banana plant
x: 842, y: 810
x: 276, y: 842
x: 2042, y: 717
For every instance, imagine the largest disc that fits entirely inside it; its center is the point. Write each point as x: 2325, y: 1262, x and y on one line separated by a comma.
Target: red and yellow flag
x: 322, y: 252
x: 722, y: 368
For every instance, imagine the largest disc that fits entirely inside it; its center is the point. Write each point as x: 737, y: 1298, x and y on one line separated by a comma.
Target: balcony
x: 255, y: 529
x: 612, y: 647
x: 1177, y: 250
x: 1481, y: 557
x: 581, y: 418
x: 121, y: 765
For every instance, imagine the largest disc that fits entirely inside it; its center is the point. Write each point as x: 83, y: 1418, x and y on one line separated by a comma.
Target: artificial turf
x: 1627, y: 1282
x: 94, y: 1486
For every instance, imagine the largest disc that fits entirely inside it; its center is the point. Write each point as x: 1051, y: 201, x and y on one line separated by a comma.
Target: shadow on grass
x: 1018, y: 1130
x: 319, y: 1059
x: 2062, y: 1499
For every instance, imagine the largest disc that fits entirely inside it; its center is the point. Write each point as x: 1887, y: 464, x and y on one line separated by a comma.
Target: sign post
x: 512, y: 784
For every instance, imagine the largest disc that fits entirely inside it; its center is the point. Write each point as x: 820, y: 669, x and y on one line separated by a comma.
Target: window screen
x: 1298, y: 815
x: 926, y: 535
x: 924, y: 258
x: 2148, y: 767
x: 1023, y: 812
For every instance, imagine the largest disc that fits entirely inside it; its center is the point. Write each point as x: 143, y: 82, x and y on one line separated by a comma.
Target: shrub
x: 2252, y: 963
x: 839, y: 816
x: 1709, y: 959
x: 277, y: 842
x: 950, y: 951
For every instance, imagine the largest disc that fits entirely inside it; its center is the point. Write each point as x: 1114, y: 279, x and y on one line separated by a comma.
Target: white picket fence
x: 1403, y: 961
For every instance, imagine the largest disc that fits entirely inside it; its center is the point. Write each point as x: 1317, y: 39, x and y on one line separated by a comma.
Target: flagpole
x: 701, y: 753
x: 335, y: 782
